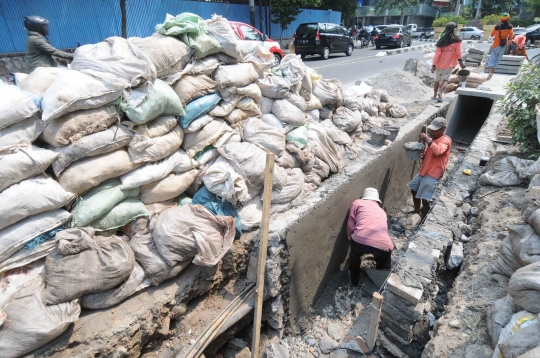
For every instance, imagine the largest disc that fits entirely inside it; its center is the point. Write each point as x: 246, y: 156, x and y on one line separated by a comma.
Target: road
x: 364, y: 64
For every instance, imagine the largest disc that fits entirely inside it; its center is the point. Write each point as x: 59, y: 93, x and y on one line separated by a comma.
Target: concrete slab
x: 396, y: 286
x: 495, y: 85
x: 398, y: 303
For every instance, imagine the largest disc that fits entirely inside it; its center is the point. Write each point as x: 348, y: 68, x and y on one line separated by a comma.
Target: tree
x: 124, y: 18
x: 284, y: 12
x: 383, y: 5
x: 534, y: 6
x: 346, y: 7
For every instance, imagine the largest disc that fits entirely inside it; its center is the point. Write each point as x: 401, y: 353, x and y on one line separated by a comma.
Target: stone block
x: 405, y: 307
x: 404, y: 331
x: 396, y: 286
x: 397, y: 315
x: 456, y: 256
x: 416, y: 268
x: 438, y: 232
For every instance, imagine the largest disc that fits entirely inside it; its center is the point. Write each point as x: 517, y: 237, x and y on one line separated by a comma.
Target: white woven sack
x: 40, y: 80
x: 170, y: 187
x: 251, y: 214
x: 15, y: 105
x: 274, y: 87
x: 144, y: 149
x: 239, y: 75
x: 324, y: 148
x: 347, y: 120
x: 266, y: 105
x: 113, y: 138
x: 288, y: 113
x: 195, y: 142
x: 224, y: 181
x: 90, y: 172
x: 199, y: 123
x: 26, y: 130
x: 13, y: 238
x: 151, y: 172
x: 22, y: 161
x: 73, y: 91
x: 156, y: 128
x: 31, y: 197
x: 267, y: 136
x: 220, y: 29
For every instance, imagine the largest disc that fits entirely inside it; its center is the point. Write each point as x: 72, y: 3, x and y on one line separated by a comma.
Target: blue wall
x: 90, y: 21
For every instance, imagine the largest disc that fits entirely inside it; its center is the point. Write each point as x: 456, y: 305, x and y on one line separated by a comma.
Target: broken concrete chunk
x: 237, y: 344
x: 277, y: 350
x: 327, y: 344
x: 411, y: 222
x: 456, y: 256
x: 335, y: 330
x: 397, y: 287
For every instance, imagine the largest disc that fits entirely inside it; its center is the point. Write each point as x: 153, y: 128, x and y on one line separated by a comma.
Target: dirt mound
x: 402, y: 85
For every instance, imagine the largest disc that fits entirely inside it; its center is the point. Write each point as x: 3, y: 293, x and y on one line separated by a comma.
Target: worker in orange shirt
x: 517, y: 47
x: 502, y: 34
x: 436, y: 156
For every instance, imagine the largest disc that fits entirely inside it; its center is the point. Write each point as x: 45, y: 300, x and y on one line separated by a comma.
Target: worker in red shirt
x: 367, y: 230
x: 517, y: 47
x: 447, y: 55
x: 434, y: 164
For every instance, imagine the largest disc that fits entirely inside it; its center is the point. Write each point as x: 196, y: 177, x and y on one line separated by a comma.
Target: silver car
x: 471, y: 33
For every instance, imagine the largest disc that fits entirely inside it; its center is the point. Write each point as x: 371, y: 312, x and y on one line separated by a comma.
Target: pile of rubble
x: 148, y: 155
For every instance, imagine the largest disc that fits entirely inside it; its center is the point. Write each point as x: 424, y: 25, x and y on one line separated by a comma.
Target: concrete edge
x: 407, y: 49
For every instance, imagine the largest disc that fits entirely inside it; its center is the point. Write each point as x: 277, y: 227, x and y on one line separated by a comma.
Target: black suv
x: 318, y: 38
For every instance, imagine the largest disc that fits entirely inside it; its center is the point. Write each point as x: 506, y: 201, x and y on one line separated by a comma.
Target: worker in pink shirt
x: 447, y: 55
x: 367, y: 230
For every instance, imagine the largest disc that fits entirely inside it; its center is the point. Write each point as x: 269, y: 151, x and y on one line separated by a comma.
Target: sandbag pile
x: 96, y: 163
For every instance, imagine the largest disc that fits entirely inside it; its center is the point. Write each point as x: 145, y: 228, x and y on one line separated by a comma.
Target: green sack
x: 299, y: 136
x: 203, y: 44
x: 160, y: 101
x: 183, y: 23
x: 99, y: 201
x: 184, y: 200
x: 122, y: 214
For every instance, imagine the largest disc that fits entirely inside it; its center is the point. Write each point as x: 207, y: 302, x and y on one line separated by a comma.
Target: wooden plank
x: 263, y: 249
x: 363, y: 346
x: 374, y: 318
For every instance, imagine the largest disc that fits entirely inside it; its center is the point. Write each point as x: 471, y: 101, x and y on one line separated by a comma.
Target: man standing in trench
x: 367, y: 230
x: 434, y: 164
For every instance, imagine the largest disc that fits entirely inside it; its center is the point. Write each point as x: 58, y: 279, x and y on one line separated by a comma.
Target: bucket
x: 378, y: 137
x: 413, y: 150
x: 483, y: 161
x: 462, y: 75
x: 393, y: 132
x: 413, y: 154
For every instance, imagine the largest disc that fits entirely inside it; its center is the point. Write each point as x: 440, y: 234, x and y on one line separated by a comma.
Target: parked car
x: 532, y: 34
x: 250, y: 37
x: 316, y: 38
x: 471, y: 33
x: 379, y: 28
x: 393, y: 36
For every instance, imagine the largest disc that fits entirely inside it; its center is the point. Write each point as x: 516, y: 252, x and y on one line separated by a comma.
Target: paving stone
x: 400, y: 304
x: 396, y: 286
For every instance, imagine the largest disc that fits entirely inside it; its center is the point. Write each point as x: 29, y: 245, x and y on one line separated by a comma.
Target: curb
x: 406, y: 49
x: 468, y: 41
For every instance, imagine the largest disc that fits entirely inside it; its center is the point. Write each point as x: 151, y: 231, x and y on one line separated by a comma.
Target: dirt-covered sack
x: 144, y: 149
x: 199, y: 107
x: 26, y: 130
x: 261, y: 58
x: 258, y: 132
x: 168, y: 188
x: 274, y: 87
x: 153, y: 129
x: 151, y: 172
x: 198, y: 123
x: 298, y: 136
x: 297, y: 101
x: 82, y: 263
x: 252, y: 91
x: 288, y: 113
x: 314, y: 115
x: 251, y: 214
x: 498, y: 316
x: 109, y: 298
x: 30, y: 323
x: 328, y: 92
x: 73, y: 126
x: 523, y: 342
x: 220, y: 29
x: 248, y: 104
x: 13, y: 280
x: 222, y: 179
x: 292, y: 188
x: 324, y: 148
x: 98, y: 143
x: 168, y: 54
x: 121, y: 214
x: 15, y: 237
x: 31, y: 197
x: 273, y: 121
x: 520, y: 321
x: 15, y: 105
x: 74, y: 91
x: 396, y: 111
x: 115, y: 59
x: 192, y: 232
x: 524, y: 287
x: 189, y: 88
x: 347, y: 120
x: 40, y: 80
x: 338, y: 136
x: 507, y: 172
x: 239, y: 75
x: 195, y: 142
x: 22, y: 161
x: 266, y: 105
x: 160, y: 100
x: 148, y: 257
x: 99, y: 201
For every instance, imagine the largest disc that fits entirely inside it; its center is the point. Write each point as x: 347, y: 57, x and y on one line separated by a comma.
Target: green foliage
x: 462, y: 20
x: 442, y: 21
x: 467, y: 13
x: 493, y: 19
x: 284, y: 12
x: 522, y: 22
x: 346, y: 7
x: 523, y: 94
x: 496, y: 7
x: 383, y: 5
x: 534, y: 6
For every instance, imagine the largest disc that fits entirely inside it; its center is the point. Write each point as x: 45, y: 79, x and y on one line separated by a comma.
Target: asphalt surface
x: 364, y: 63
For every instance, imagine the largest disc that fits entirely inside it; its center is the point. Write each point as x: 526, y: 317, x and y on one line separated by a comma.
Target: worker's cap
x: 505, y: 17
x: 437, y: 124
x: 371, y: 194
x: 450, y: 26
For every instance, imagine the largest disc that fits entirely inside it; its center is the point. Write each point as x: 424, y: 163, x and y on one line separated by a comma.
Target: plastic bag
x: 524, y: 287
x: 288, y: 113
x: 40, y: 80
x: 199, y: 107
x: 397, y: 111
x: 239, y: 75
x: 498, y: 316
x: 519, y: 321
x: 261, y: 58
x: 168, y: 188
x: 26, y: 130
x: 192, y: 232
x: 121, y: 214
x: 144, y: 149
x: 507, y: 172
x: 325, y: 148
x: 251, y: 214
x: 328, y: 92
x: 217, y: 206
x: 258, y: 132
x: 266, y: 105
x: 292, y: 188
x: 299, y: 136
x: 223, y: 180
x: 189, y: 88
x: 15, y: 105
x: 274, y: 87
x: 273, y: 121
x: 347, y: 120
x: 195, y: 142
x: 198, y: 123
x: 220, y: 29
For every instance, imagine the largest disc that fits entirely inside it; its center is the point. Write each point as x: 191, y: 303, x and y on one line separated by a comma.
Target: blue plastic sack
x: 199, y: 107
x: 40, y: 239
x: 217, y: 207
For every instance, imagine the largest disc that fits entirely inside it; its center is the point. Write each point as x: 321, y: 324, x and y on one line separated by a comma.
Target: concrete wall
x: 314, y: 232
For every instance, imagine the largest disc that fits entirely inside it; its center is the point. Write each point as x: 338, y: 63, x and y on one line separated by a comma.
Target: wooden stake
x: 263, y: 248
x: 368, y: 344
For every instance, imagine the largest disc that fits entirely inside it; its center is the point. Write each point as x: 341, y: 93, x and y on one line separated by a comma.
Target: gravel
x: 402, y: 85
